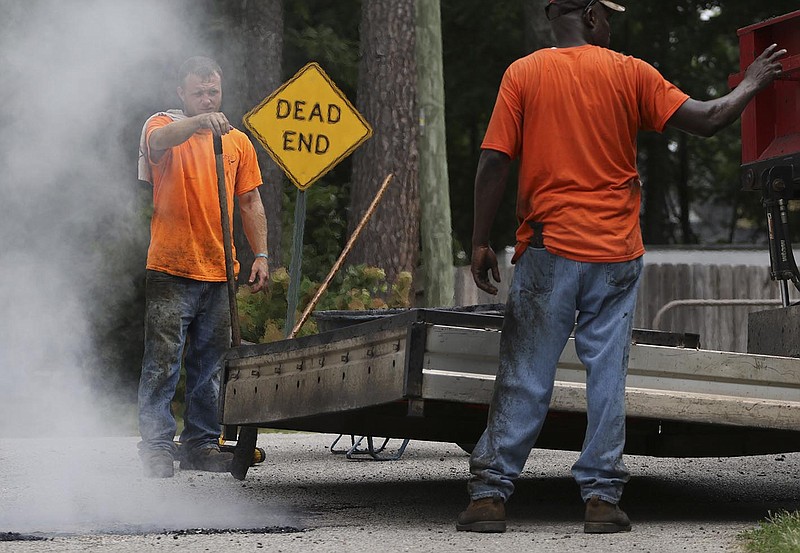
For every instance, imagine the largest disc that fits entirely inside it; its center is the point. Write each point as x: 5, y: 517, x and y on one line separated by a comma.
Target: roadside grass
x: 780, y: 533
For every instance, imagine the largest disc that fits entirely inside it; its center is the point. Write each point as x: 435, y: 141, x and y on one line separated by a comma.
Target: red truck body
x: 771, y: 123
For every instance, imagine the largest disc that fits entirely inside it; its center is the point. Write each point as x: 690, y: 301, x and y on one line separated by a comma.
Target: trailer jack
x: 371, y: 450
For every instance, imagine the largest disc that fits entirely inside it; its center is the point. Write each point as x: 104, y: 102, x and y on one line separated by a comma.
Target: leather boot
x: 603, y: 517
x: 157, y: 464
x: 483, y: 515
x: 209, y: 459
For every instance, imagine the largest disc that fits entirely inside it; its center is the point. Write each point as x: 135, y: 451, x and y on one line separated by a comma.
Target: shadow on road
x: 697, y: 490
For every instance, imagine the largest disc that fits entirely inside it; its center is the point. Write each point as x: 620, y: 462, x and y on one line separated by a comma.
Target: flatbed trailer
x: 428, y: 375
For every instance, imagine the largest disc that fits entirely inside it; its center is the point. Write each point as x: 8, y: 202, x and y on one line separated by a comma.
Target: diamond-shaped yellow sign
x: 308, y: 126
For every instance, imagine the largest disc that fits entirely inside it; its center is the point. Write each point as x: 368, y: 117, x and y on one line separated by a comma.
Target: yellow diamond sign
x: 308, y: 126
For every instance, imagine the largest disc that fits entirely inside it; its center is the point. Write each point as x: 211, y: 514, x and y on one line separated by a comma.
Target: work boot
x: 603, y: 517
x: 209, y: 459
x: 483, y: 515
x: 158, y: 464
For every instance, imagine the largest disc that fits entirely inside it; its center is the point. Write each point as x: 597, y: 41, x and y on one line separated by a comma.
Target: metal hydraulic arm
x: 778, y: 188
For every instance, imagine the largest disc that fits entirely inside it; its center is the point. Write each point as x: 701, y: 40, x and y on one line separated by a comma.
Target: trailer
x: 428, y: 375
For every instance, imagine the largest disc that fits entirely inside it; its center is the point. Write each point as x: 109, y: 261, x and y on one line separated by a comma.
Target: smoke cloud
x: 79, y: 78
x: 76, y: 78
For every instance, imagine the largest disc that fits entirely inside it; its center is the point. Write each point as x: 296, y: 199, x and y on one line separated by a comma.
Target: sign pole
x: 295, y: 271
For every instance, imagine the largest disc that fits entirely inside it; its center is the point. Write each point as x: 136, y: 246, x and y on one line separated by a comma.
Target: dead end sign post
x: 307, y: 126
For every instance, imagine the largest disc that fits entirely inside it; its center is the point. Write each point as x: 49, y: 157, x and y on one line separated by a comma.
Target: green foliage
x: 779, y: 534
x: 325, y: 228
x: 479, y: 40
x: 325, y: 32
x: 694, y: 44
x: 262, y: 316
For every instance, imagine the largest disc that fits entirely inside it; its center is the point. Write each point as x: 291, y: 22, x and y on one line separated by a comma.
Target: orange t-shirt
x: 572, y: 115
x: 186, y: 229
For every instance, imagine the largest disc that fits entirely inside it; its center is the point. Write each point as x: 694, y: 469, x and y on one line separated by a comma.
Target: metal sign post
x: 295, y: 272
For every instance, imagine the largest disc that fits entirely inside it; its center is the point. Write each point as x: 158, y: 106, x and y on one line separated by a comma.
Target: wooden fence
x: 720, y: 327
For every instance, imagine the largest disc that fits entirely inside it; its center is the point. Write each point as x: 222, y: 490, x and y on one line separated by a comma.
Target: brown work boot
x: 209, y: 459
x: 157, y: 463
x: 483, y: 515
x: 603, y: 517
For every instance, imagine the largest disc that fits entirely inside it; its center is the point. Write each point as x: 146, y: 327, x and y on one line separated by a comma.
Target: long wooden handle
x: 339, y: 262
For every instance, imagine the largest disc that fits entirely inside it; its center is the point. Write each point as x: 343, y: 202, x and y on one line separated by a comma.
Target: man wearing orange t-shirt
x: 571, y: 115
x: 187, y: 312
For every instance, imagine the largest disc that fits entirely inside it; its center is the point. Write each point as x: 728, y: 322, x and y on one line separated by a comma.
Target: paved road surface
x: 89, y: 494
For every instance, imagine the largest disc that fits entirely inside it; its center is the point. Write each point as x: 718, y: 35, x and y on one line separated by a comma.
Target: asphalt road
x: 89, y: 495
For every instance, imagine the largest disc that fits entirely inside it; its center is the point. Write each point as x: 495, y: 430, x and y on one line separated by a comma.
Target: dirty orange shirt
x: 572, y: 115
x: 186, y: 228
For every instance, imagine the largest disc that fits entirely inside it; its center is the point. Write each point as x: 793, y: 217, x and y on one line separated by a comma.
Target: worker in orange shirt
x: 571, y: 115
x: 187, y: 311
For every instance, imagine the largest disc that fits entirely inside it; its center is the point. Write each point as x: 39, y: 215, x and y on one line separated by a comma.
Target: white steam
x: 73, y: 73
x: 78, y: 79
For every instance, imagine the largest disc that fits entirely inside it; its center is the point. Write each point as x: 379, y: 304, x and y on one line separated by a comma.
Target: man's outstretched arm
x: 180, y: 131
x: 709, y: 117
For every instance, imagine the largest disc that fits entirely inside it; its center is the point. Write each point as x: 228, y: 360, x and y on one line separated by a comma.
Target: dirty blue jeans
x: 182, y: 311
x: 546, y: 293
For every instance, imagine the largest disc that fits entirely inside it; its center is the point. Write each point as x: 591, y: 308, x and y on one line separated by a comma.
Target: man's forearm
x: 254, y: 221
x: 490, y: 184
x: 173, y: 134
x: 723, y: 111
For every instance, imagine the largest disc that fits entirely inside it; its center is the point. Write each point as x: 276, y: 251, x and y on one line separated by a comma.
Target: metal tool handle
x: 227, y: 242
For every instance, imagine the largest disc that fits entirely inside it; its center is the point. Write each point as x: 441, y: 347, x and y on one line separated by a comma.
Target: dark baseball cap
x: 557, y: 8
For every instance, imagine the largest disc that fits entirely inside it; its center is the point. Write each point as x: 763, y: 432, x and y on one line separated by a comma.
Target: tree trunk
x: 436, y: 231
x: 538, y: 33
x: 263, y: 31
x: 251, y: 50
x: 386, y: 98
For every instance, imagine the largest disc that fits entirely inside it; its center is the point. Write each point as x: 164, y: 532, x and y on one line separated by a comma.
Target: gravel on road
x: 90, y: 495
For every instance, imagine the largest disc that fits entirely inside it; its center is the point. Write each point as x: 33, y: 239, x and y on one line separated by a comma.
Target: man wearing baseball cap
x: 571, y: 115
x: 557, y: 8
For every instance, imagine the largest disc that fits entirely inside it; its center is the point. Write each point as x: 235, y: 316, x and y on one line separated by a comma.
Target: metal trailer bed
x: 428, y: 375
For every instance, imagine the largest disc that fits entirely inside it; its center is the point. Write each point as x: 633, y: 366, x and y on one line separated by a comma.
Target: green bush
x: 262, y: 316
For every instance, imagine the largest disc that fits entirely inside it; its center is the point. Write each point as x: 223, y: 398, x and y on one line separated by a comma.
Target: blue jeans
x: 182, y: 312
x: 546, y: 292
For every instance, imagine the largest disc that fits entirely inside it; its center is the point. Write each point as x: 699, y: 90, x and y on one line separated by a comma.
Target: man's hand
x: 216, y: 121
x: 766, y: 68
x: 259, y: 275
x: 484, y: 260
